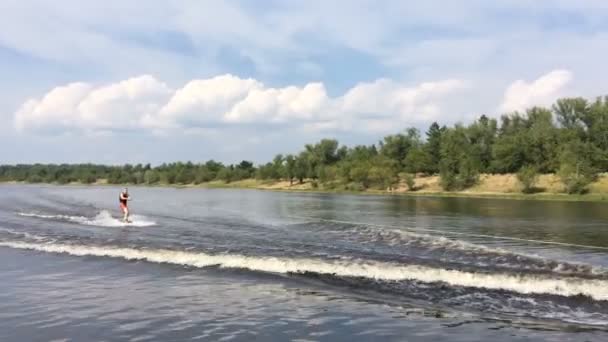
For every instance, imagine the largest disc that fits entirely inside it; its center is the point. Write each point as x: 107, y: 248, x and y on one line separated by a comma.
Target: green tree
x: 482, y: 135
x: 458, y: 168
x: 576, y: 167
x: 226, y: 174
x: 184, y: 176
x: 138, y: 177
x: 597, y: 132
x: 573, y: 115
x: 528, y: 176
x: 418, y: 159
x: 327, y: 174
x: 396, y: 147
x: 301, y: 167
x: 383, y: 173
x: 266, y: 172
x: 151, y: 177
x: 543, y: 139
x: 244, y: 170
x: 526, y: 140
x: 290, y: 168
x: 278, y: 167
x: 324, y: 153
x: 410, y: 181
x: 203, y: 175
x: 359, y: 174
x: 433, y: 146
x: 169, y: 176
x: 355, y: 158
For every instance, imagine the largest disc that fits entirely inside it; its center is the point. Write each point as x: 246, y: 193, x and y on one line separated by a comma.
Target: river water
x: 242, y: 265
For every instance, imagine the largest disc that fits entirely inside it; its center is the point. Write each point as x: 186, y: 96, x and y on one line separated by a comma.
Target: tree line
x: 569, y: 139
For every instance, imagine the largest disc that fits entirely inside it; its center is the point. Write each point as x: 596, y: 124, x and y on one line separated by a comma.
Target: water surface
x: 242, y: 264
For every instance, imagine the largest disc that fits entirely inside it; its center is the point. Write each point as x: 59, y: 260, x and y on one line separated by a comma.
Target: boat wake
x: 596, y: 289
x: 102, y: 219
x: 434, y: 248
x: 374, y: 261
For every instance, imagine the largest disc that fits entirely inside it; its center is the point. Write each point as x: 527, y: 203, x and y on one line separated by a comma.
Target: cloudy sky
x: 155, y: 81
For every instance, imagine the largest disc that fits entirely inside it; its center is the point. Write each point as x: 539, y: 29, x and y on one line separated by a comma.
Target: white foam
x: 526, y: 283
x: 103, y: 219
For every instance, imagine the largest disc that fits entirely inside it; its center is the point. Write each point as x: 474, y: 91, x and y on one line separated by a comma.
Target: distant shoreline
x: 489, y: 186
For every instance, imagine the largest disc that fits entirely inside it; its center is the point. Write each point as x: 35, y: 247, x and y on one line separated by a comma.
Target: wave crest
x: 526, y: 284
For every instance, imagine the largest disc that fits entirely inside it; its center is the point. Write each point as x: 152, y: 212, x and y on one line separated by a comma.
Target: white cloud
x: 204, y: 101
x: 113, y: 106
x: 541, y: 92
x: 55, y: 109
x: 387, y: 98
x: 146, y: 103
x: 81, y: 106
x: 280, y: 105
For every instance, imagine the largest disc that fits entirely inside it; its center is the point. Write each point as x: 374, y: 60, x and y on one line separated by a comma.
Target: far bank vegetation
x: 559, y: 149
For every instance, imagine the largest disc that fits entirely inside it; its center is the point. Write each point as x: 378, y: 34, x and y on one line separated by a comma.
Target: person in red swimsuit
x: 123, y: 197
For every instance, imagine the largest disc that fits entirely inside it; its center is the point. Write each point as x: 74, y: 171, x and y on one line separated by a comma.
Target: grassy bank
x: 489, y: 186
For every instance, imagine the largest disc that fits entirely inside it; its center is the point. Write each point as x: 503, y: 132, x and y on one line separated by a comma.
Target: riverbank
x: 549, y: 187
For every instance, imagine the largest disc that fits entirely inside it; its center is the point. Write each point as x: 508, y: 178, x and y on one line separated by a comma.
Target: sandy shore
x: 490, y: 185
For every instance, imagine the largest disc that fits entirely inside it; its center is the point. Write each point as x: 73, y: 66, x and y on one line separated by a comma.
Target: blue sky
x: 125, y: 81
